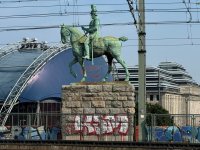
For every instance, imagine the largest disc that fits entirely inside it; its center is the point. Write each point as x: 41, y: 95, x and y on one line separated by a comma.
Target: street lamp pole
x: 140, y: 26
x: 142, y: 72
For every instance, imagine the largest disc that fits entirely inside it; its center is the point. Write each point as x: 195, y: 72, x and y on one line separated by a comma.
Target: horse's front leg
x: 110, y: 59
x: 70, y: 67
x: 81, y: 61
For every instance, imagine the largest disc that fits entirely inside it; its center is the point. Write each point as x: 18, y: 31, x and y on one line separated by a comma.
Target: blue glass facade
x: 47, y: 82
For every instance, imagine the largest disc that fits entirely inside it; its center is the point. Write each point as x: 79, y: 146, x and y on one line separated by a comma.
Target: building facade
x: 171, y: 86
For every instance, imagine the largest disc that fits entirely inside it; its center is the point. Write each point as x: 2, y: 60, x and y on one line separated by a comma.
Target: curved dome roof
x: 48, y: 81
x: 12, y: 66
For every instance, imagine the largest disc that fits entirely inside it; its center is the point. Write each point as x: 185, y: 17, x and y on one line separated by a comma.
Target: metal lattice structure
x: 12, y: 98
x: 8, y: 49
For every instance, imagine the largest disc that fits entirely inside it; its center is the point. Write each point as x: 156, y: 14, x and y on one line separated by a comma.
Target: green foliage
x: 156, y: 109
x: 161, y: 117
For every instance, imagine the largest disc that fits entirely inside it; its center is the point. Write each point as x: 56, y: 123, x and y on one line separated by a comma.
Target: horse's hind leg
x: 81, y: 62
x: 119, y: 59
x: 110, y: 59
x: 70, y: 66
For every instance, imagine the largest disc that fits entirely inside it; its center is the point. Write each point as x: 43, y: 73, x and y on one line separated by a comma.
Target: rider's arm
x: 94, y: 27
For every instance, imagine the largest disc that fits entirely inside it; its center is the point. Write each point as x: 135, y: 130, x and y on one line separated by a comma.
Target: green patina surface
x: 90, y: 45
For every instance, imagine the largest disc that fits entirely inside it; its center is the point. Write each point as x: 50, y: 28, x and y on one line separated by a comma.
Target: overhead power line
x: 60, y: 5
x: 180, y: 10
x: 21, y: 1
x: 31, y: 28
x: 79, y: 5
x: 132, y: 10
x: 165, y: 45
x: 147, y: 3
x: 60, y: 14
x: 12, y: 28
x: 147, y: 39
x: 56, y: 26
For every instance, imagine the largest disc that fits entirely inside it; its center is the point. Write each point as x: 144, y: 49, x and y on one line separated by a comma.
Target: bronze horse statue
x: 108, y: 46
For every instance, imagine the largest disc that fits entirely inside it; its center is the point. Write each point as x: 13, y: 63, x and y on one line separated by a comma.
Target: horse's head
x: 65, y: 33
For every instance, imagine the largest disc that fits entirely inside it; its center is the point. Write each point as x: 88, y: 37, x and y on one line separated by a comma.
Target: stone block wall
x: 98, y: 111
x: 98, y: 98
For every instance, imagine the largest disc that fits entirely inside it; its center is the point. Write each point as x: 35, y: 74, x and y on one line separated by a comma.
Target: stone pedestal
x: 89, y: 107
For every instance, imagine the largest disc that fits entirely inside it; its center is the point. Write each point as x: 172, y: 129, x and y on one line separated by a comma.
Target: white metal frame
x: 12, y: 98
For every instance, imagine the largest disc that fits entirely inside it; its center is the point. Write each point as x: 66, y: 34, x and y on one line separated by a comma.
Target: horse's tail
x: 123, y: 38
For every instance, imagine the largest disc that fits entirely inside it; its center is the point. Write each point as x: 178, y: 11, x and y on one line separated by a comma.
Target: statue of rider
x: 93, y: 31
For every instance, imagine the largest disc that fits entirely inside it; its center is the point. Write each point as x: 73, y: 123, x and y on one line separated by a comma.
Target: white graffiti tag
x: 97, y: 125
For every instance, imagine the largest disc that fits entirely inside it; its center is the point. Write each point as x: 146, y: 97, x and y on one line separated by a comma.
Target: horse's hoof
x: 103, y: 80
x: 83, y: 80
x: 127, y: 79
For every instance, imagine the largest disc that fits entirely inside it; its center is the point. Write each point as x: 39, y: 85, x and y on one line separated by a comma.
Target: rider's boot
x: 87, y: 55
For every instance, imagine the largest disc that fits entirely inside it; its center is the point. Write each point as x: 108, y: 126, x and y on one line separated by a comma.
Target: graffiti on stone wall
x: 98, y: 125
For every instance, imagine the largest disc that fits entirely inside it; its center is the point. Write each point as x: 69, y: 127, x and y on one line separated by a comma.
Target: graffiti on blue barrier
x: 30, y: 133
x: 174, y: 133
x: 158, y: 133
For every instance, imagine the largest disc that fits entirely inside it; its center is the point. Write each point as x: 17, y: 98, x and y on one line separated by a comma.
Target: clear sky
x: 172, y: 26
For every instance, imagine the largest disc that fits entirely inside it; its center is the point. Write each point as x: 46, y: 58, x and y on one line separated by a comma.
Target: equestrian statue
x: 90, y: 46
